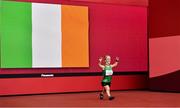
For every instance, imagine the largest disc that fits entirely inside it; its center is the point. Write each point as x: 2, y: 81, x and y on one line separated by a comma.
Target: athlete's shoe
x: 111, y: 98
x: 101, y: 96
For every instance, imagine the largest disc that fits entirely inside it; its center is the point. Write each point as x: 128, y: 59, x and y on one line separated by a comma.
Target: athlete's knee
x: 107, y: 88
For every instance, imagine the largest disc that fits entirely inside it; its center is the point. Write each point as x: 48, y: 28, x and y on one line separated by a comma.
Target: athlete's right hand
x: 100, y: 59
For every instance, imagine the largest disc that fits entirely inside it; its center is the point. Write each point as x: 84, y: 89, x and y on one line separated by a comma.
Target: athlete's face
x: 108, y: 60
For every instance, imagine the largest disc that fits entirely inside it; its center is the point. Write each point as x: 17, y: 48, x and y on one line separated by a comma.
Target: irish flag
x: 37, y: 35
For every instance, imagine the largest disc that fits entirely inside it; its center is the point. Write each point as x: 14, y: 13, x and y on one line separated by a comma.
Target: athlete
x: 107, y: 75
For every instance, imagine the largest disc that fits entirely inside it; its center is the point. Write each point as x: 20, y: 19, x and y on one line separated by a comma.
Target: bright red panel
x: 164, y: 55
x: 68, y: 84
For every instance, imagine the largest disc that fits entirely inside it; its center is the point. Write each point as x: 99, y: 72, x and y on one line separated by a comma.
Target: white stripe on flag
x: 46, y: 35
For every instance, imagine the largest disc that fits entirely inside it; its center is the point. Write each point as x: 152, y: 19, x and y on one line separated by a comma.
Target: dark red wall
x: 115, y: 29
x: 164, y: 18
x: 164, y: 44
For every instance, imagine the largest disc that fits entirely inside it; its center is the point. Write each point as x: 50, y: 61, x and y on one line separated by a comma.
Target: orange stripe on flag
x: 75, y: 51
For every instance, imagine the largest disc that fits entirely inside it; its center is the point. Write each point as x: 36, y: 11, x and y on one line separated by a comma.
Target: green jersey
x: 107, y: 74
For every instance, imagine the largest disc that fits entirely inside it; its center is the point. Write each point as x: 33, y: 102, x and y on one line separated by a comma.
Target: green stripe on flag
x: 0, y: 28
x: 16, y: 39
